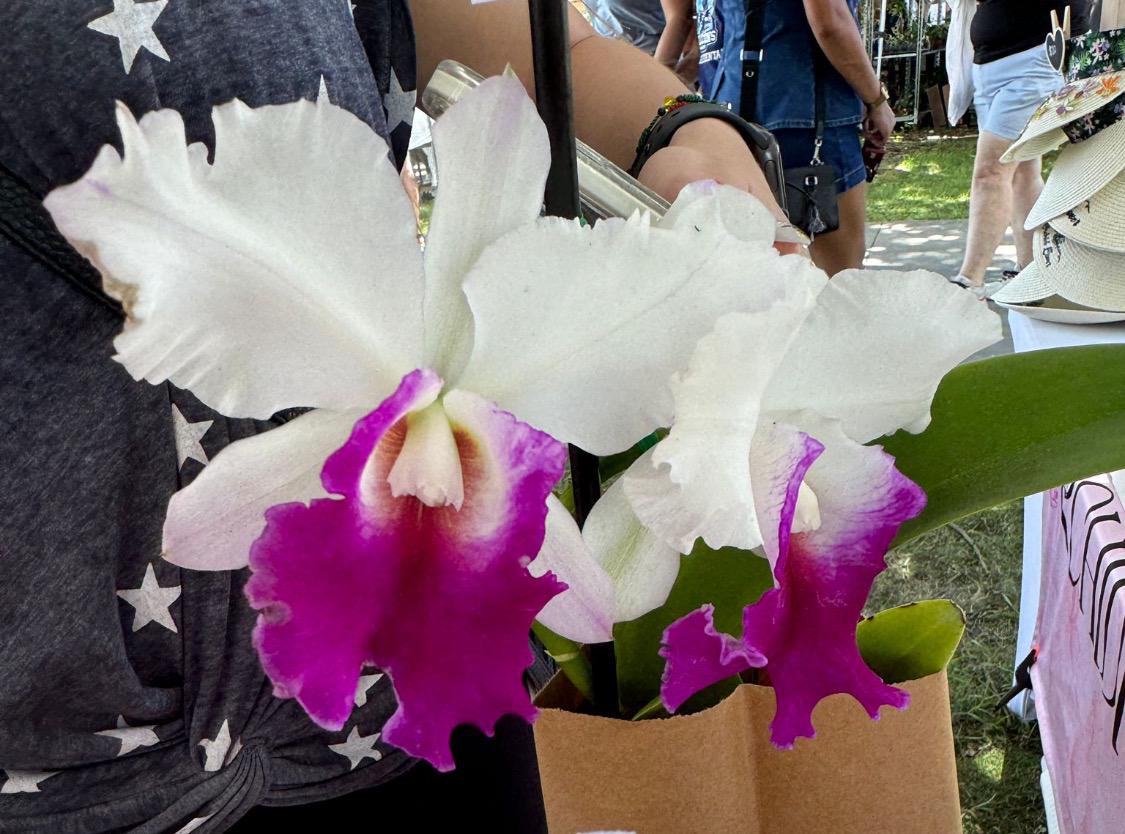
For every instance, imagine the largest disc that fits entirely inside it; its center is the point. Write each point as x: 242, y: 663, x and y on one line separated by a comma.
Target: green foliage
x: 570, y: 658
x: 730, y: 579
x: 1013, y: 426
x: 911, y: 641
x: 926, y: 177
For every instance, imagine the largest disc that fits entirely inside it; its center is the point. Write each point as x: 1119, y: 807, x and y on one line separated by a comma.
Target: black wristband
x: 759, y: 140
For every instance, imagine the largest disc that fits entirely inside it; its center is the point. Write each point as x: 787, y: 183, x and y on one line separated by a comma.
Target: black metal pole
x: 550, y: 50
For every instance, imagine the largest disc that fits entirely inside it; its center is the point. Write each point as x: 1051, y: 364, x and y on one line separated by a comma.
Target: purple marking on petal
x: 807, y: 626
x: 344, y: 470
x: 439, y: 599
x: 776, y: 496
x: 698, y: 656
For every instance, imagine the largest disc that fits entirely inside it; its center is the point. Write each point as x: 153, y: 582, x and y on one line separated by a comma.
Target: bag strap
x: 820, y: 64
x: 751, y: 69
x: 29, y: 226
x: 751, y: 58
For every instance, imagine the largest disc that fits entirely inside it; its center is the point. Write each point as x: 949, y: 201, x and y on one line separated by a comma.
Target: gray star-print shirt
x: 130, y: 696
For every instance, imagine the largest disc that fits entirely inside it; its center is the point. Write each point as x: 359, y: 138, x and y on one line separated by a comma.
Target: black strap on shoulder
x: 752, y: 55
x: 820, y: 67
x: 25, y: 222
x: 751, y: 58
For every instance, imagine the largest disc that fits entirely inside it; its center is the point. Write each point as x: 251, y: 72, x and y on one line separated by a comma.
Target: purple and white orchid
x: 396, y: 524
x: 765, y: 452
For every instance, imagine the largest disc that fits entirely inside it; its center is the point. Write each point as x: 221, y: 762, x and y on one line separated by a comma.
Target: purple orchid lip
x: 433, y: 596
x: 804, y: 630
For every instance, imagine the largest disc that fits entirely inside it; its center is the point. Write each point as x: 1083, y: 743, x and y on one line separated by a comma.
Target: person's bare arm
x: 677, y: 27
x: 617, y: 90
x: 835, y: 30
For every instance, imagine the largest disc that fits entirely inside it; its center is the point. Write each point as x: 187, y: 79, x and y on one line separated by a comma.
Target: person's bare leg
x: 990, y: 206
x: 1027, y: 185
x: 844, y: 248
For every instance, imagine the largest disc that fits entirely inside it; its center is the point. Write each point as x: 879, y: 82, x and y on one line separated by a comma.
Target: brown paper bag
x: 716, y: 772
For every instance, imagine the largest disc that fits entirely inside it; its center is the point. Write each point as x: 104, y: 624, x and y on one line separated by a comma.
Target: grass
x: 925, y: 176
x: 977, y: 563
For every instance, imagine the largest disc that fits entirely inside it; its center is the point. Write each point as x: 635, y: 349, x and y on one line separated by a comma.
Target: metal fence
x: 906, y: 42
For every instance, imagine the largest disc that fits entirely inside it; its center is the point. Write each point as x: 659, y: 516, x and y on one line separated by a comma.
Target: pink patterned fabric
x: 1079, y: 676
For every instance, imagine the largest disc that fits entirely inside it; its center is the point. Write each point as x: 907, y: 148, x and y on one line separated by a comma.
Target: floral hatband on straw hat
x: 1082, y: 170
x: 1089, y: 101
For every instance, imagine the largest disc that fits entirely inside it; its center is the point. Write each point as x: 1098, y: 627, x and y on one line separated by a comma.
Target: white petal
x: 643, y: 568
x: 212, y: 523
x: 875, y: 348
x: 492, y: 156
x: 723, y: 209
x: 428, y: 465
x: 579, y: 330
x: 286, y: 274
x: 584, y: 611
x: 700, y: 483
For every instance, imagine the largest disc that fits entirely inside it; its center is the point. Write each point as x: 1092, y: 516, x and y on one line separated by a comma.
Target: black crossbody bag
x: 811, y: 196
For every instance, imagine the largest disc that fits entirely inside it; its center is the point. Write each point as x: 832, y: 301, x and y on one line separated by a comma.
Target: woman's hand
x: 879, y: 123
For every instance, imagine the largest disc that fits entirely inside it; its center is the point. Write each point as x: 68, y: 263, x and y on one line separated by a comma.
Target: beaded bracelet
x: 671, y: 104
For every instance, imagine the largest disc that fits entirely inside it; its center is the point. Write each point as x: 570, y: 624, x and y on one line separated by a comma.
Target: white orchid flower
x: 286, y: 273
x: 766, y: 451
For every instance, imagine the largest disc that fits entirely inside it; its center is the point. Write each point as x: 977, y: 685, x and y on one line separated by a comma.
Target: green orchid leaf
x: 730, y: 579
x: 653, y: 709
x: 911, y: 641
x: 1012, y: 426
x: 569, y: 657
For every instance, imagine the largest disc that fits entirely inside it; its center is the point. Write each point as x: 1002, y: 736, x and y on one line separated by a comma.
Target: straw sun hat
x: 1098, y: 221
x: 1081, y: 171
x: 1089, y: 101
x: 1070, y: 276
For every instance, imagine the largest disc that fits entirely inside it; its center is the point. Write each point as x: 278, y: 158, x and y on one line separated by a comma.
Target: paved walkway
x: 936, y: 245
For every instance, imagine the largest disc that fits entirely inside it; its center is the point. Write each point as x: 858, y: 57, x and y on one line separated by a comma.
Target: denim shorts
x: 842, y: 150
x: 1008, y: 90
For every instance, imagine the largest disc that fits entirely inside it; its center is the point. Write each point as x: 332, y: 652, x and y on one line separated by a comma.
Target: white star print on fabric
x: 218, y: 750
x: 25, y: 781
x: 131, y: 737
x: 322, y: 93
x: 365, y: 684
x: 357, y: 748
x: 399, y: 104
x: 188, y: 436
x: 131, y: 23
x: 191, y: 825
x: 151, y: 602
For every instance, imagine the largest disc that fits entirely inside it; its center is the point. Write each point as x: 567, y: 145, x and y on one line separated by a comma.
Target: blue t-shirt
x: 787, y: 81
